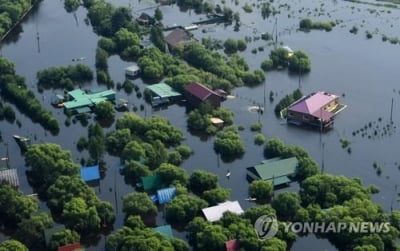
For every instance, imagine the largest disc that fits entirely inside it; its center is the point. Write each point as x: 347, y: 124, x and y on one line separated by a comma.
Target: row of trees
x: 307, y: 24
x: 11, y: 12
x: 64, y: 76
x: 13, y: 87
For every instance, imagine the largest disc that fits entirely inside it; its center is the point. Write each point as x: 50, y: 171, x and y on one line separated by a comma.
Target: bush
x: 256, y: 127
x: 241, y: 45
x: 267, y: 65
x: 259, y: 139
x: 231, y: 46
x: 299, y: 62
x: 228, y: 143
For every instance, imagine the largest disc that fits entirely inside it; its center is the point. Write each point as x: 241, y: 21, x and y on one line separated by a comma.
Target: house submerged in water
x: 317, y: 109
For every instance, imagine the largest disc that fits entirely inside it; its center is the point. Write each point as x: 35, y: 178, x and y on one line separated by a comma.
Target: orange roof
x: 71, y: 247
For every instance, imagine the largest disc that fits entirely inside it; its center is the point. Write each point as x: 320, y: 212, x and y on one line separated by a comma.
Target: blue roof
x: 90, y: 173
x: 166, y: 195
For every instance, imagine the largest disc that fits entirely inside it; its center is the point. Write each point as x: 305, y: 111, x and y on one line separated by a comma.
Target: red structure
x: 232, y: 245
x: 71, y: 247
x: 196, y: 94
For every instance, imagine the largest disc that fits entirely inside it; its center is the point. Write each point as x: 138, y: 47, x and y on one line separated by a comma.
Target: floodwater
x: 364, y: 71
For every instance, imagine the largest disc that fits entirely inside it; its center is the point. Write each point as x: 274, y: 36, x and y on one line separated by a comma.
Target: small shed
x: 165, y: 230
x: 152, y: 182
x: 216, y: 212
x: 90, y: 174
x: 166, y: 195
x: 9, y: 176
x: 132, y: 71
x: 217, y: 121
x: 289, y: 50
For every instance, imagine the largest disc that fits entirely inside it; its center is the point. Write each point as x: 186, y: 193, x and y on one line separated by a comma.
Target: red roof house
x: 232, y: 245
x: 317, y: 109
x: 196, y: 94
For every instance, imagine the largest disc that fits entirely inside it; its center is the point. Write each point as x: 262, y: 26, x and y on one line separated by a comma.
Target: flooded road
x: 364, y: 71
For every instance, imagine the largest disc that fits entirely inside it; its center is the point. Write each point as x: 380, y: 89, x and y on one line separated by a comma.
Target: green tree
x: 241, y: 45
x: 274, y: 148
x: 47, y: 162
x: 183, y: 208
x: 101, y: 59
x: 117, y: 140
x: 184, y: 151
x: 30, y: 230
x: 120, y: 18
x: 299, y: 62
x: 279, y: 57
x: 71, y: 5
x: 62, y: 238
x: 212, y: 237
x: 261, y: 190
x: 138, y: 204
x: 158, y: 15
x: 104, y: 111
x: 133, y: 151
x: 157, y: 37
x: 12, y: 245
x: 228, y: 143
x: 171, y: 174
x: 133, y: 170
x: 201, y: 181
x: 231, y: 46
x: 216, y: 195
x: 134, y: 222
x: 286, y: 204
x: 78, y: 215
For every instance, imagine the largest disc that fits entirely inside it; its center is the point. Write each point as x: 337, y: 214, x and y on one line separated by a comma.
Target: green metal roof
x: 269, y: 169
x: 82, y: 99
x: 280, y: 180
x: 163, y: 90
x: 83, y: 110
x: 165, y: 230
x: 77, y: 103
x: 151, y: 182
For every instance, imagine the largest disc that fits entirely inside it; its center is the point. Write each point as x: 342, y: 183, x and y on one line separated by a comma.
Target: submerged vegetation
x: 287, y: 100
x: 307, y: 24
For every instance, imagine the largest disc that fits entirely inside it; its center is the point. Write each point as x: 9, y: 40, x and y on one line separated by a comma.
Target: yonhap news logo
x: 266, y: 227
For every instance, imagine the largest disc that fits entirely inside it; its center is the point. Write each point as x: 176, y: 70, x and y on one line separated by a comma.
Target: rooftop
x: 176, y: 36
x: 90, y: 173
x: 151, y: 182
x: 200, y: 91
x: 165, y: 195
x: 163, y: 90
x: 313, y: 103
x: 81, y: 98
x: 9, y: 176
x: 216, y: 212
x: 232, y: 245
x: 275, y: 168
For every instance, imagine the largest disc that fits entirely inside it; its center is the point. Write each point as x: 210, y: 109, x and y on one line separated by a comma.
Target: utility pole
x: 391, y: 112
x: 323, y: 156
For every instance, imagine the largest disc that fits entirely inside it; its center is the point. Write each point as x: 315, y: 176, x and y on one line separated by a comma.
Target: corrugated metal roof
x: 163, y: 90
x: 9, y: 176
x: 276, y: 168
x: 165, y: 195
x: 313, y: 104
x: 216, y: 212
x: 90, y: 173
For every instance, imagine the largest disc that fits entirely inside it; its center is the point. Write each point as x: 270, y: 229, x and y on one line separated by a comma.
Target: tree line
x: 13, y: 87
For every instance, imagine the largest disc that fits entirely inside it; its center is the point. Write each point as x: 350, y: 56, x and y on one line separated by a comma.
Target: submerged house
x: 317, y: 109
x: 83, y: 102
x: 162, y: 93
x: 196, y: 94
x: 179, y: 37
x: 278, y: 171
x: 215, y: 213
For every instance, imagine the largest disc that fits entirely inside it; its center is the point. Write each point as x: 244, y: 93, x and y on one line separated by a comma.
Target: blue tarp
x: 165, y: 195
x: 90, y: 173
